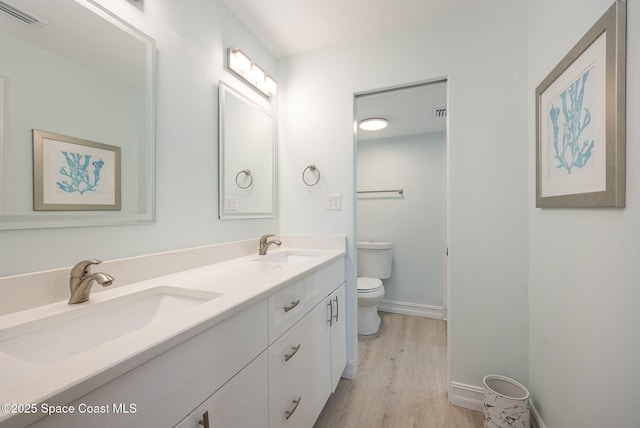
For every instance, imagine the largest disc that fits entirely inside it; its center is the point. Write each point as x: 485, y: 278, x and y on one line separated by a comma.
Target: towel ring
x: 246, y: 172
x: 311, y: 168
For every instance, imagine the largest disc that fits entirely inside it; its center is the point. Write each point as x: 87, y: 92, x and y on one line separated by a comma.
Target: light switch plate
x: 334, y: 201
x: 231, y: 203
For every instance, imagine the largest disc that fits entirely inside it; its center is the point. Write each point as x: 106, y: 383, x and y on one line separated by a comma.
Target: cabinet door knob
x: 291, y: 306
x: 205, y: 420
x: 289, y: 413
x: 295, y: 349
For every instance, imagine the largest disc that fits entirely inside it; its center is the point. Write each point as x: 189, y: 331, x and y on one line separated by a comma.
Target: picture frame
x: 1, y: 113
x: 580, y: 121
x: 72, y: 174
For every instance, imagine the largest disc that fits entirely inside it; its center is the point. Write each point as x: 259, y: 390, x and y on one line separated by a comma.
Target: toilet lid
x: 367, y: 285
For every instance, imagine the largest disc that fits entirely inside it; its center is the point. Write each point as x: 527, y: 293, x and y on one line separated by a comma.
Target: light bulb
x: 373, y: 124
x: 239, y: 62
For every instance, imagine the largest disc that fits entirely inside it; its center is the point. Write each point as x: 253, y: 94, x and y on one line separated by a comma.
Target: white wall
x: 482, y: 53
x: 192, y: 37
x: 584, y: 270
x: 413, y: 222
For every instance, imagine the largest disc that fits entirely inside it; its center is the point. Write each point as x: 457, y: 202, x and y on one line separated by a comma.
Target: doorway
x: 400, y: 174
x: 401, y: 180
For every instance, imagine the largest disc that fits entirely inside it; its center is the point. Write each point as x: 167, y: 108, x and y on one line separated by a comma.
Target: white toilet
x: 374, y: 264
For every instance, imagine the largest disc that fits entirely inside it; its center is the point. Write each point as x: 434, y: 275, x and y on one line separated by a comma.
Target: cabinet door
x: 240, y: 403
x: 337, y: 301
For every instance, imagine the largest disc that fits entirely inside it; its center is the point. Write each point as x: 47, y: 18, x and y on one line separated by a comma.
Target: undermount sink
x: 288, y: 257
x: 54, y: 338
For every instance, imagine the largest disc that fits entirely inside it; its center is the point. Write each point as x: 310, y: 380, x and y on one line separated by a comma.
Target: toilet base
x: 368, y: 320
x: 369, y: 297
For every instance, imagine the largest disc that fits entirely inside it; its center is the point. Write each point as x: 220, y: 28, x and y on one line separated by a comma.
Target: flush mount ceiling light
x: 373, y: 123
x: 252, y: 73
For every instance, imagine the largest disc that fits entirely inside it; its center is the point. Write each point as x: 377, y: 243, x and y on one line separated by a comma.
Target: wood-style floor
x: 401, y: 381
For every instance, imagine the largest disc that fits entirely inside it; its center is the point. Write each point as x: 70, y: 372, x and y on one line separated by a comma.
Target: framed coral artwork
x: 580, y: 121
x: 71, y: 174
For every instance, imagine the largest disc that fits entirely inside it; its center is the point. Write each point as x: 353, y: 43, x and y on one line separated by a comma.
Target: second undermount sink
x: 54, y: 338
x: 288, y: 257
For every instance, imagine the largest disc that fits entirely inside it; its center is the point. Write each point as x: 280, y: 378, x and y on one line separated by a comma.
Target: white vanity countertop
x: 242, y: 282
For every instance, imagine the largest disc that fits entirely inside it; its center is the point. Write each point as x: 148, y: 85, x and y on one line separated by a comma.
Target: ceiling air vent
x: 439, y: 112
x: 20, y: 15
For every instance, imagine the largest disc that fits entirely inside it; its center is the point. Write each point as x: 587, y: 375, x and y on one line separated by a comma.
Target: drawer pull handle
x: 291, y: 306
x: 205, y: 420
x: 295, y: 349
x: 337, y: 309
x: 331, y: 313
x: 289, y: 413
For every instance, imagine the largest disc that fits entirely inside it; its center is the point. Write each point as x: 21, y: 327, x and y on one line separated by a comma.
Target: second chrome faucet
x: 265, y: 243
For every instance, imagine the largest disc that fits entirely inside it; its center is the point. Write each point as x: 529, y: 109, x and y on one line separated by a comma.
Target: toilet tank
x: 374, y: 259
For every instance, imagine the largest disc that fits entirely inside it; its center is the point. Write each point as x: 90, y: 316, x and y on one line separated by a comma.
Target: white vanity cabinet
x: 165, y: 389
x: 306, y: 362
x: 273, y: 364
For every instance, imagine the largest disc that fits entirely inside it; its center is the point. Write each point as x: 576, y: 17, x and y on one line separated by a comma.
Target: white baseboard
x: 414, y: 309
x: 349, y: 371
x: 536, y: 420
x: 470, y: 397
x: 467, y: 396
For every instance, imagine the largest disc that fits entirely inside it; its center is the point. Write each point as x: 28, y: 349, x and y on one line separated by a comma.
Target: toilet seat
x: 368, y: 285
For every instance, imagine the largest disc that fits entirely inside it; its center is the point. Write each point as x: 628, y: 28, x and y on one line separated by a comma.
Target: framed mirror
x: 72, y: 69
x: 247, y: 157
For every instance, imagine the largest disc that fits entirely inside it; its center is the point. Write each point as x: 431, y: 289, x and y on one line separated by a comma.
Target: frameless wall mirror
x: 72, y: 69
x: 247, y: 157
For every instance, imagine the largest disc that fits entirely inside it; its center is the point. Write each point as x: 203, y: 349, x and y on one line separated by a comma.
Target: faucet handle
x: 82, y: 268
x: 264, y: 238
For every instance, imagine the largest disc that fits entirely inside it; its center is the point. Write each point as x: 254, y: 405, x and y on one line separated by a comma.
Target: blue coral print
x: 77, y: 170
x: 570, y: 152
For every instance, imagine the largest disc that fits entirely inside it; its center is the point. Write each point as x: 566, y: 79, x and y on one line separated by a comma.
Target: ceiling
x: 409, y: 110
x: 104, y: 45
x: 290, y: 27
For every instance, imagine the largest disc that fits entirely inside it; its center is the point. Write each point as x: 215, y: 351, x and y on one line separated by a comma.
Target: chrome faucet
x: 80, y: 280
x: 265, y: 244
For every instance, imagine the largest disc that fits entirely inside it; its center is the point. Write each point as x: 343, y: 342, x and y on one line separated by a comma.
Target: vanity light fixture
x: 373, y: 123
x: 241, y: 64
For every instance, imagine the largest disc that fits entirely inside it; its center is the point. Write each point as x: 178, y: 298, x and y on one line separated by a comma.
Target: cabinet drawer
x: 303, y: 342
x: 240, y: 403
x: 286, y: 307
x: 300, y: 399
x: 308, y: 383
x: 320, y: 283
